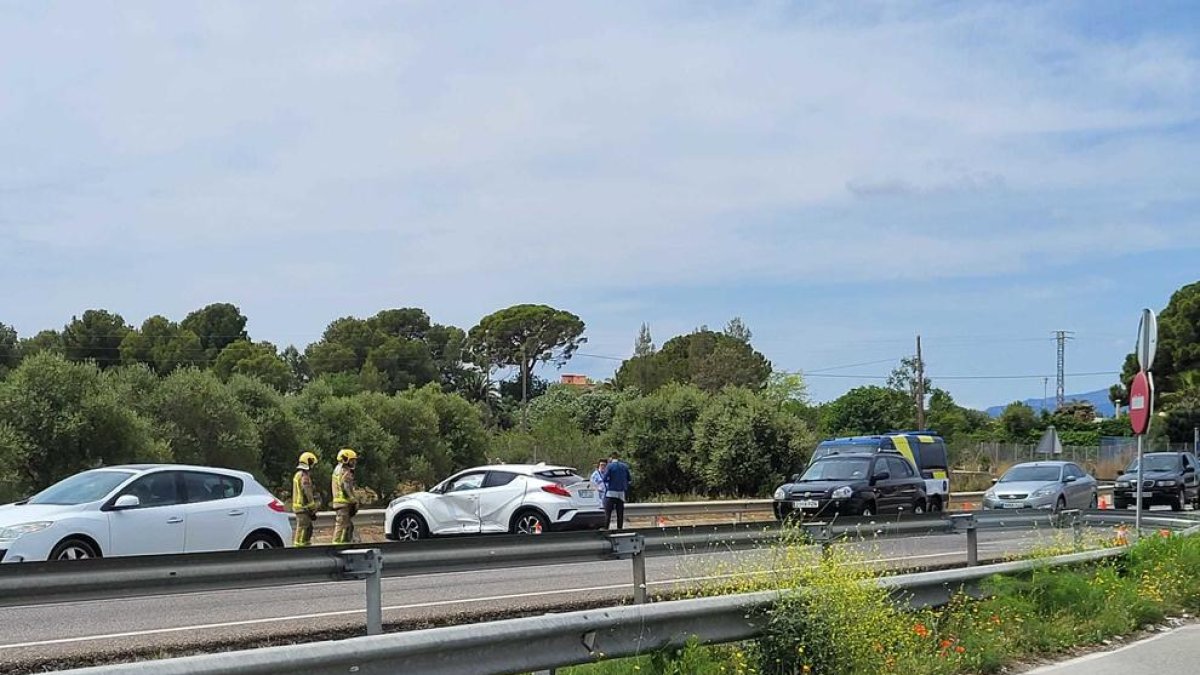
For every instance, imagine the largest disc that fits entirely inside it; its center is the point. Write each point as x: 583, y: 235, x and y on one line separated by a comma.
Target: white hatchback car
x: 515, y: 498
x: 143, y: 509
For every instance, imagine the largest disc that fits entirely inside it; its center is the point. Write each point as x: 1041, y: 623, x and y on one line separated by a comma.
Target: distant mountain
x: 1098, y: 398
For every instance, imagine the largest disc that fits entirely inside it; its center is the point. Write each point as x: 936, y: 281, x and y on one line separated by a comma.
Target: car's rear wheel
x: 74, y: 548
x: 529, y: 522
x: 1180, y: 500
x: 409, y: 527
x: 261, y: 541
x: 1095, y: 503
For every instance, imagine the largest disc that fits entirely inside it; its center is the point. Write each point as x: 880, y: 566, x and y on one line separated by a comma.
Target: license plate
x: 1012, y: 505
x: 1146, y: 494
x: 807, y: 503
x: 587, y: 494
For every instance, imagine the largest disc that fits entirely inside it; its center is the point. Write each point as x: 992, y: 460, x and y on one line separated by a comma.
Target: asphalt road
x: 1175, y: 652
x: 70, y: 633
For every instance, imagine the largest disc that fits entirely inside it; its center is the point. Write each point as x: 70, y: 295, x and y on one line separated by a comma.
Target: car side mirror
x: 126, y: 502
x: 1069, y: 479
x: 882, y: 475
x: 1189, y: 469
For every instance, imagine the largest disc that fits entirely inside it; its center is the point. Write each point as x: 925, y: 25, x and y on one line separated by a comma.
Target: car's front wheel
x: 261, y: 541
x: 74, y: 549
x: 1180, y: 500
x: 868, y: 509
x: 529, y: 522
x: 409, y: 527
x: 919, y: 507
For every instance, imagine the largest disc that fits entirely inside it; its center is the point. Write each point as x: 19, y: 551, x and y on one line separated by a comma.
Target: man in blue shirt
x: 618, y: 480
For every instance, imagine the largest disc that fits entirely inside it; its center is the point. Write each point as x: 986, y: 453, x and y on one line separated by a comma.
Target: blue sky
x: 841, y: 175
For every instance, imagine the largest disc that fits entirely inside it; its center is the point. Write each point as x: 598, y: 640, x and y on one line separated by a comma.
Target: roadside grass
x: 833, y: 622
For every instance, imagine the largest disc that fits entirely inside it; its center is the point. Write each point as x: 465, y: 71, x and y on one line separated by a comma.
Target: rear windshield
x: 1158, y: 463
x: 838, y: 468
x: 826, y: 450
x: 89, y: 486
x: 1019, y: 474
x: 561, y: 476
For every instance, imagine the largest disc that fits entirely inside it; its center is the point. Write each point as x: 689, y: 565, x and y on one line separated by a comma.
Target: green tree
x: 904, y: 379
x: 644, y: 345
x: 203, y: 423
x: 738, y: 330
x: 709, y: 360
x: 402, y: 363
x: 10, y: 354
x: 1018, y: 421
x: 95, y: 336
x: 59, y: 419
x: 45, y: 341
x: 420, y: 456
x: 256, y: 359
x: 1178, y: 340
x: 524, y: 335
x: 745, y: 446
x: 298, y: 363
x: 460, y: 426
x: 217, y: 325
x: 281, y: 435
x: 868, y: 410
x: 657, y: 433
x: 163, y: 345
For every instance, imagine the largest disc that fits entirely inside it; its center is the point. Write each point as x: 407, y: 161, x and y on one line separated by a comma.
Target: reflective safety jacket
x: 343, y: 485
x: 303, y: 498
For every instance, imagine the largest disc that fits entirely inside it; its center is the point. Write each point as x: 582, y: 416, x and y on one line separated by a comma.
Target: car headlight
x: 989, y: 494
x: 1166, y: 483
x: 1044, y: 492
x: 15, y: 531
x: 843, y: 492
x: 1122, y: 483
x: 780, y: 494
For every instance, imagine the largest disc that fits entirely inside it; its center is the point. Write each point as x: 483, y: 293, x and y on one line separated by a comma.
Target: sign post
x: 1141, y: 399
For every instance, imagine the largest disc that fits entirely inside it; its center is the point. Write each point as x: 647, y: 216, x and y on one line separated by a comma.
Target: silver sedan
x: 1043, y: 485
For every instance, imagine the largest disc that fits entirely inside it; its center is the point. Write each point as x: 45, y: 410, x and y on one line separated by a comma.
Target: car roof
x: 526, y: 469
x: 146, y: 468
x: 1048, y: 462
x: 857, y: 455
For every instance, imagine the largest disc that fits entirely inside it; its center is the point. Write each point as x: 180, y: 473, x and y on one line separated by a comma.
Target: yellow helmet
x: 307, y: 460
x: 346, y: 455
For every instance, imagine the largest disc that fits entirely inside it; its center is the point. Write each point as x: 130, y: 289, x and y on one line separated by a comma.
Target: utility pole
x: 1195, y: 439
x: 1061, y: 391
x: 920, y: 387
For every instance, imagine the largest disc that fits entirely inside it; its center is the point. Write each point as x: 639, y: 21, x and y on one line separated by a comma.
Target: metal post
x: 632, y: 545
x: 367, y: 564
x: 820, y: 533
x: 639, y: 579
x: 1137, y: 518
x: 965, y: 522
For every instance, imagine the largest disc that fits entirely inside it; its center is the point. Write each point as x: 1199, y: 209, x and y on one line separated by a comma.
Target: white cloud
x: 493, y: 150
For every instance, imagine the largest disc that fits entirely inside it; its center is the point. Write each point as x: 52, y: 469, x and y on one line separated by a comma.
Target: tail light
x: 276, y: 506
x: 556, y: 489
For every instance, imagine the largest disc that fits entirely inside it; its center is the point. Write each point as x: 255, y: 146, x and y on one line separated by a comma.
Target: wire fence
x: 1104, y: 461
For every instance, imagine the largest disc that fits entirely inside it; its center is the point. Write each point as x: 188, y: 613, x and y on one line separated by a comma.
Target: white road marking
x: 419, y: 605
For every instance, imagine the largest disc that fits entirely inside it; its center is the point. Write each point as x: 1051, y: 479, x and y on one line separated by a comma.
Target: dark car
x: 859, y: 484
x: 1168, y: 478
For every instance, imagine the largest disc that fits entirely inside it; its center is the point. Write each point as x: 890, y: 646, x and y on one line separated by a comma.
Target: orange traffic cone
x: 662, y: 521
x: 1122, y: 538
x: 1104, y: 502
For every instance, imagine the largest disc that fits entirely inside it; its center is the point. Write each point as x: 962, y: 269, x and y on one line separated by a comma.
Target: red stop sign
x: 1139, y: 403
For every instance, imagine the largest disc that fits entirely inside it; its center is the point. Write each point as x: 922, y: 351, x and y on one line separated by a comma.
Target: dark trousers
x: 613, y: 504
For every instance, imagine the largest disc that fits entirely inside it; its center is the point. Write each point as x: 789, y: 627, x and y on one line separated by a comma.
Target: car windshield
x: 826, y: 450
x: 839, y: 468
x: 1157, y: 463
x: 81, y: 488
x: 1031, y: 474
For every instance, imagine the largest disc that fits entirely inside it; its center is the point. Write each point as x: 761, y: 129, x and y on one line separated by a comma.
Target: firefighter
x: 345, y: 504
x: 304, y: 500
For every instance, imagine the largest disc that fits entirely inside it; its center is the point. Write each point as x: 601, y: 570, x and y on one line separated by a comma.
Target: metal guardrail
x: 103, y: 578
x: 738, y: 509
x: 558, y: 640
